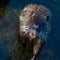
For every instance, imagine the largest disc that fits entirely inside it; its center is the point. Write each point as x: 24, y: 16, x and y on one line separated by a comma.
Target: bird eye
x: 35, y: 26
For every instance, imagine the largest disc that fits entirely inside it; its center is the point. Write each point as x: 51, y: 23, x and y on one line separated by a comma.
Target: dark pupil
x: 38, y: 29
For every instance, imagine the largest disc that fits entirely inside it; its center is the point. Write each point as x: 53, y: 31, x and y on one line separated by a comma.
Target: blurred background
x: 9, y: 11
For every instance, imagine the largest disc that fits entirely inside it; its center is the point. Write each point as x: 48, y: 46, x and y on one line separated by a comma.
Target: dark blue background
x: 51, y: 50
